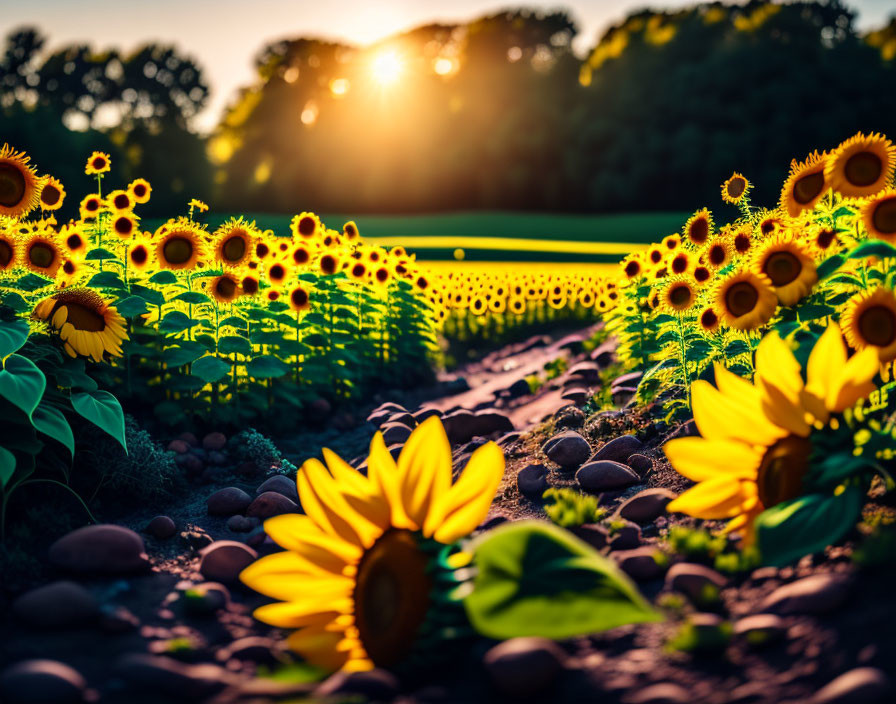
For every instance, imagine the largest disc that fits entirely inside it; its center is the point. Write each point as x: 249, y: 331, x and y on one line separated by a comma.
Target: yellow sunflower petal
x: 296, y: 614
x: 60, y: 317
x: 700, y: 460
x: 777, y: 366
x: 424, y: 469
x: 827, y: 357
x: 383, y: 471
x: 322, y: 501
x: 781, y: 410
x: 720, y: 417
x: 854, y: 380
x: 720, y: 497
x: 363, y: 495
x: 298, y: 533
x: 319, y: 646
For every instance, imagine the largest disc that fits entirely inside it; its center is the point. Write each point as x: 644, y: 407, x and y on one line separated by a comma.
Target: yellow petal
x: 424, y: 469
x: 321, y: 499
x: 720, y: 497
x: 720, y: 417
x: 734, y: 386
x: 319, y: 646
x: 296, y: 614
x: 781, y: 410
x: 359, y: 492
x: 383, y: 471
x: 827, y: 358
x: 298, y: 533
x: 60, y: 317
x: 699, y: 459
x: 776, y: 365
x: 853, y: 380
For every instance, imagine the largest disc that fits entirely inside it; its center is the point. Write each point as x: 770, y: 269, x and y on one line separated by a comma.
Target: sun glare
x: 387, y: 67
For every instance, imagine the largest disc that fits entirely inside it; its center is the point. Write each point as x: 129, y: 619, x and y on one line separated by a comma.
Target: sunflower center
x: 122, y: 201
x: 826, y: 238
x: 807, y: 188
x: 124, y: 226
x: 139, y: 255
x: 392, y: 596
x: 680, y: 295
x: 741, y: 298
x: 717, y: 255
x: 74, y: 242
x: 863, y: 169
x: 328, y: 264
x: 12, y: 186
x: 701, y: 274
x: 5, y: 253
x: 277, y: 272
x: 41, y: 255
x: 299, y: 297
x: 679, y: 264
x: 139, y: 190
x: 306, y: 226
x: 250, y: 285
x: 632, y: 269
x: 782, y: 268
x: 50, y: 194
x: 225, y: 287
x: 736, y: 187
x: 699, y: 230
x: 884, y: 217
x: 782, y: 469
x: 358, y: 271
x: 709, y: 319
x: 234, y: 248
x: 742, y: 243
x: 178, y: 250
x: 877, y: 325
x: 82, y: 316
x: 382, y: 275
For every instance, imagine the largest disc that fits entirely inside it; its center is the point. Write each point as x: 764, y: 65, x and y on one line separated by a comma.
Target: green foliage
x: 699, y: 545
x: 569, y: 508
x: 250, y: 445
x: 700, y: 638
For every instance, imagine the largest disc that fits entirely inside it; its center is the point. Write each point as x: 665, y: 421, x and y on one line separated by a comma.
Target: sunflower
x: 742, y: 240
x: 52, y: 194
x: 124, y: 225
x: 359, y: 573
x: 234, y: 241
x: 73, y: 238
x: 8, y: 251
x: 745, y: 300
x: 299, y: 298
x: 20, y: 186
x: 87, y: 324
x: 140, y: 190
x: 478, y: 305
x: 769, y: 225
x: 224, y: 288
x: 655, y: 255
x: 672, y: 242
x: 708, y: 319
x: 249, y: 285
x: 879, y: 216
x: 41, y: 254
x: 421, y: 282
x: 278, y: 272
x: 699, y: 227
x: 862, y: 165
x: 357, y: 271
x: 805, y: 185
x: 679, y: 262
x: 329, y: 264
x: 305, y: 226
x: 735, y: 189
x: 91, y: 206
x: 678, y: 295
x: 869, y: 321
x: 98, y: 163
x: 788, y: 266
x: 517, y: 306
x: 141, y: 253
x: 301, y: 254
x: 632, y: 266
x: 754, y: 447
x: 180, y: 245
x: 350, y: 230
x: 586, y: 298
x: 120, y: 201
x: 71, y: 271
x: 701, y: 274
x: 381, y: 275
x: 718, y: 252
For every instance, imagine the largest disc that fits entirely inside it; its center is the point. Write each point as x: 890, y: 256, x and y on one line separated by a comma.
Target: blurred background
x: 369, y: 108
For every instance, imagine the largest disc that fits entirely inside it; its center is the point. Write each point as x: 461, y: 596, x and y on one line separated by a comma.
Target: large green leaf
x: 793, y: 529
x: 194, y: 297
x: 163, y: 278
x: 830, y: 265
x: 13, y: 300
x: 106, y: 279
x: 230, y: 344
x: 13, y: 334
x: 51, y: 421
x: 32, y: 282
x: 176, y: 321
x: 536, y: 579
x: 132, y: 306
x: 184, y: 354
x: 103, y: 410
x: 7, y: 466
x: 873, y: 248
x: 22, y: 383
x: 210, y: 368
x: 266, y: 367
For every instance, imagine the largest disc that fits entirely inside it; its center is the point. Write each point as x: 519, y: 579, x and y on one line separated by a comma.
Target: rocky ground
x: 150, y: 610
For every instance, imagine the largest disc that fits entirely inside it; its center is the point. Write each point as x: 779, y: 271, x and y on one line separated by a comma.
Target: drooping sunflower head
x: 788, y: 266
x: 140, y: 190
x: 86, y: 323
x: 234, y: 241
x: 305, y: 226
x: 699, y: 227
x: 52, y: 194
x: 869, y: 320
x: 98, y: 163
x: 120, y: 201
x: 861, y: 166
x: 224, y: 288
x: 805, y: 185
x: 736, y: 188
x: 91, y: 206
x: 745, y: 300
x: 718, y: 252
x: 679, y: 295
x: 179, y: 245
x: 879, y: 216
x: 41, y: 254
x: 20, y: 186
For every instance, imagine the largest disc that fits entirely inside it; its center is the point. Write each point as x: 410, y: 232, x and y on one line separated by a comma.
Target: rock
x: 255, y: 649
x: 190, y: 463
x: 227, y: 502
x: 640, y: 564
x: 189, y: 438
x: 494, y: 519
x: 42, y: 682
x: 242, y: 524
x: 217, y: 458
x: 575, y: 395
x: 100, y: 549
x: 661, y: 693
x: 523, y: 667
x: 518, y: 388
x: 568, y: 449
x: 379, y: 416
x: 486, y: 422
x: 459, y: 426
x: 587, y: 371
x: 759, y: 629
x: 282, y: 485
x: 646, y: 506
x: 697, y: 582
x: 195, y: 539
x: 858, y: 686
x: 532, y: 480
x: 631, y: 379
x: 595, y: 535
x: 404, y: 418
x: 811, y: 595
x: 508, y: 439
x: 395, y: 433
x: 270, y: 504
x: 640, y: 463
x: 161, y: 528
x: 372, y: 685
x: 569, y: 417
x: 178, y: 446
x: 214, y: 441
x: 60, y: 604
x: 223, y: 560
x: 172, y: 679
x: 205, y: 599
x: 118, y: 619
x: 605, y: 476
x: 626, y: 537
x: 604, y: 354
x: 425, y: 413
x: 618, y: 449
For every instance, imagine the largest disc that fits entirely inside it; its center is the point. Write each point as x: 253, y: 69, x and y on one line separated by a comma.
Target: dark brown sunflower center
x: 41, y: 255
x: 74, y: 242
x: 742, y: 243
x: 306, y: 226
x: 82, y: 316
x: 98, y: 163
x: 225, y: 287
x: 680, y: 295
x: 358, y: 271
x: 301, y: 256
x: 701, y: 274
x: 139, y: 190
x: 12, y: 185
x: 392, y: 597
x: 121, y: 201
x: 781, y: 471
x: 656, y: 256
x: 884, y: 216
x: 139, y: 255
x: 877, y: 326
x: 234, y: 248
x: 277, y: 272
x: 782, y: 268
x: 863, y: 168
x: 741, y: 298
x: 422, y: 283
x: 299, y: 297
x: 717, y: 255
x: 250, y: 285
x: 632, y: 269
x: 178, y: 250
x: 807, y: 188
x: 50, y: 195
x: 92, y: 204
x: 6, y: 253
x: 709, y: 319
x: 350, y: 230
x: 261, y: 250
x: 382, y: 275
x: 825, y: 238
x: 124, y: 226
x: 679, y: 264
x: 736, y: 187
x: 328, y: 264
x: 699, y: 230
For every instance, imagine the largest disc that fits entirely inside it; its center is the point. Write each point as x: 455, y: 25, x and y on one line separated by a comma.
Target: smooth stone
x: 522, y: 667
x: 629, y: 379
x: 626, y: 537
x: 374, y: 685
x: 178, y: 446
x: 587, y: 370
x: 759, y: 629
x: 253, y: 649
x: 858, y: 686
x: 42, y: 682
x: 205, y: 599
x: 489, y: 421
x: 60, y: 604
x: 640, y: 463
x: 425, y: 413
x: 568, y: 449
x: 618, y: 449
x: 282, y: 485
x: 378, y: 417
x: 697, y: 582
x: 639, y: 564
x: 223, y: 560
x: 167, y: 676
x: 605, y: 475
x: 100, y: 549
x: 242, y: 524
x: 575, y: 395
x: 404, y: 418
x: 569, y: 417
x: 661, y: 693
x: 459, y: 426
x: 518, y: 388
x: 595, y: 535
x: 811, y: 595
x: 161, y: 528
x: 395, y: 433
x: 214, y: 441
x: 532, y: 480
x: 646, y: 506
x: 270, y: 504
x: 227, y: 502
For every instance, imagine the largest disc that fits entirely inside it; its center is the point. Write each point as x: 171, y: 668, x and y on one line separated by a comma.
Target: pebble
x: 282, y: 485
x: 459, y: 426
x: 575, y: 395
x: 161, y: 528
x: 42, y: 682
x: 759, y: 629
x: 403, y: 417
x: 170, y: 678
x: 178, y: 446
x: 605, y: 475
x: 523, y: 667
x: 373, y: 685
x: 568, y: 449
x: 100, y: 549
x: 618, y: 449
x: 625, y: 537
x: 204, y: 599
x: 595, y: 535
x: 228, y: 501
x: 425, y: 413
x: 642, y: 464
x: 858, y: 686
x: 811, y: 595
x: 253, y: 649
x: 586, y: 371
x: 395, y: 433
x: 189, y: 438
x: 518, y: 388
x: 269, y: 504
x: 190, y: 463
x: 223, y: 560
x: 697, y: 582
x: 646, y: 506
x: 569, y: 417
x: 61, y: 604
x: 660, y: 693
x: 214, y: 441
x: 532, y: 480
x: 242, y: 524
x: 640, y: 563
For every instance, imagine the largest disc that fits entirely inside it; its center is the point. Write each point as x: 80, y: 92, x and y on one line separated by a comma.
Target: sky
x: 224, y: 35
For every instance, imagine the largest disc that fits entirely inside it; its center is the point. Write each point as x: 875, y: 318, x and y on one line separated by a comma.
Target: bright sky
x: 225, y: 35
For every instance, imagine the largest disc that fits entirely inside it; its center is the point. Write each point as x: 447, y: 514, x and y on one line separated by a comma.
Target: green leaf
x: 106, y: 279
x: 233, y: 321
x: 873, y: 248
x: 814, y: 311
x: 536, y: 579
x: 100, y: 254
x: 163, y: 278
x: 32, y: 282
x: 736, y: 347
x: 13, y: 334
x: 15, y: 301
x: 22, y: 383
x: 315, y: 340
x: 793, y: 529
x: 193, y: 297
x: 132, y: 306
x: 176, y: 321
x: 103, y: 410
x: 183, y: 354
x: 233, y: 344
x: 51, y: 422
x: 7, y: 466
x: 266, y: 367
x: 829, y: 266
x: 210, y: 368
x: 150, y: 295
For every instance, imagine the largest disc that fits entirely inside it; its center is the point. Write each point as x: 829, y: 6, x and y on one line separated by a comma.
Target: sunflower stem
x: 684, y: 360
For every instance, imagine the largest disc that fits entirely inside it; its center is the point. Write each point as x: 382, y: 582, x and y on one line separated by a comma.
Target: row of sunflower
x: 788, y: 456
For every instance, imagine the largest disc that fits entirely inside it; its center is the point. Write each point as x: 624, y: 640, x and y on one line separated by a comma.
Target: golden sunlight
x: 387, y: 67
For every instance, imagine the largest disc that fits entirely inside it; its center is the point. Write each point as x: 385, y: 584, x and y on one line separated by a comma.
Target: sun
x: 387, y: 67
